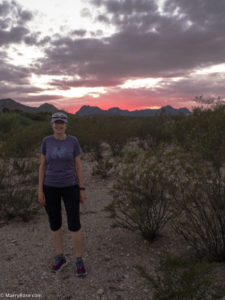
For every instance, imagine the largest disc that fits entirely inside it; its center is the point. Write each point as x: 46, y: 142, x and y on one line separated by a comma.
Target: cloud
x: 13, y: 74
x: 66, y: 84
x: 207, y: 84
x: 13, y: 23
x: 148, y: 41
x: 40, y: 98
x: 80, y: 32
x: 145, y: 44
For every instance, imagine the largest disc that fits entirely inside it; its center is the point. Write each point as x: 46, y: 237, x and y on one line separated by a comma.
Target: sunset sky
x: 133, y: 54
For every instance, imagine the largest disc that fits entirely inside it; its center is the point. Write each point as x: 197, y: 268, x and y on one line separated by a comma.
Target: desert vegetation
x: 167, y: 172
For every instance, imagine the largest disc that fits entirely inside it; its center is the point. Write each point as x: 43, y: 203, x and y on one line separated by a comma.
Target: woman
x: 60, y: 176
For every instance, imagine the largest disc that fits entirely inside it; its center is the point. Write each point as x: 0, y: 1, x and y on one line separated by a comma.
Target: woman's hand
x: 82, y: 196
x: 41, y: 198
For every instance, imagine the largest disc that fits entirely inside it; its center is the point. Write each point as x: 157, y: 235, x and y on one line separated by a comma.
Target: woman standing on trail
x: 60, y: 175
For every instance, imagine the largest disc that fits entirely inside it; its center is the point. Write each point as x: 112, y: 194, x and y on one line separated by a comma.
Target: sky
x: 132, y: 54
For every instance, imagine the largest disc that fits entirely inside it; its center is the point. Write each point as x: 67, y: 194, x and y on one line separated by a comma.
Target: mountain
x: 87, y: 110
x: 46, y: 107
x: 13, y: 105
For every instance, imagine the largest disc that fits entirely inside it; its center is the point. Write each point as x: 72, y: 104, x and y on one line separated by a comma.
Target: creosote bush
x: 200, y: 209
x: 179, y: 278
x: 18, y: 203
x: 102, y: 168
x: 18, y: 195
x: 142, y: 197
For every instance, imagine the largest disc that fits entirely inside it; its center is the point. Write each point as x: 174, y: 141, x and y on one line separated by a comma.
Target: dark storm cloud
x: 13, y: 74
x: 13, y: 23
x: 67, y: 84
x: 14, y: 80
x: 146, y: 43
x: 80, y: 32
x: 207, y: 84
x: 40, y: 98
x: 14, y: 26
x: 16, y: 90
x: 14, y: 29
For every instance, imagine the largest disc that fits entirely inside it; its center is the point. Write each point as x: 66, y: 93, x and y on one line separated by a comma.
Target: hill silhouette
x: 87, y: 110
x: 13, y: 105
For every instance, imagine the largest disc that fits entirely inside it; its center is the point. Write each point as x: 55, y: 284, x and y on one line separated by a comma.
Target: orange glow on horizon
x: 124, y: 104
x: 72, y: 109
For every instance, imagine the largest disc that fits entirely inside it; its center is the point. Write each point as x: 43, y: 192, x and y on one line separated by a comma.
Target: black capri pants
x: 71, y: 199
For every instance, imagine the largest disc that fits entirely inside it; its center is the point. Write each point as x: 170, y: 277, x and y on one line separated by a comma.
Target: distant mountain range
x: 87, y: 110
x: 13, y: 105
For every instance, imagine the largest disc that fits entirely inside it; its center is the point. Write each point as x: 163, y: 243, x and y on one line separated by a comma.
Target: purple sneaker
x: 81, y: 271
x: 60, y: 262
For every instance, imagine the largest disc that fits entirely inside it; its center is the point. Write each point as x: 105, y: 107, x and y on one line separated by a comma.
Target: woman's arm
x: 79, y: 173
x: 42, y: 169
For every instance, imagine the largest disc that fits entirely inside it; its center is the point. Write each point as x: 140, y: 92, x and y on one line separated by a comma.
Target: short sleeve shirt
x: 60, y: 154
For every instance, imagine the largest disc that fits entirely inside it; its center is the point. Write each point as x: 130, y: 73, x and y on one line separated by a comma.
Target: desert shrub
x: 37, y: 116
x: 18, y: 194
x: 96, y: 151
x: 7, y: 123
x: 130, y: 154
x: 203, y: 132
x: 142, y: 196
x: 24, y: 140
x: 118, y: 133
x: 179, y: 278
x: 88, y: 131
x: 18, y: 203
x: 200, y: 211
x: 102, y: 168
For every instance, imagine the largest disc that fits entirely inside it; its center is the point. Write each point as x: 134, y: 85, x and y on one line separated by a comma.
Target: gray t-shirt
x: 60, y: 154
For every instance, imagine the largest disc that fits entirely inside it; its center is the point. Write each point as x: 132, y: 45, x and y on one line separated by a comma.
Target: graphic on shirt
x: 58, y: 152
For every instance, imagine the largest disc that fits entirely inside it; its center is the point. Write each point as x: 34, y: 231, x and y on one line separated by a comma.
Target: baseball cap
x: 59, y: 116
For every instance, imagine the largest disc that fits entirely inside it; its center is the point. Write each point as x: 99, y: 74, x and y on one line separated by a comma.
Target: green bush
x: 142, y: 197
x: 18, y: 191
x: 200, y: 210
x: 20, y: 203
x: 130, y: 154
x: 25, y: 140
x: 203, y: 132
x: 179, y: 278
x: 102, y: 168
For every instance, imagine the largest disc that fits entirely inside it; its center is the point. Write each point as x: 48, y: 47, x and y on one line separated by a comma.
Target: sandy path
x: 26, y: 252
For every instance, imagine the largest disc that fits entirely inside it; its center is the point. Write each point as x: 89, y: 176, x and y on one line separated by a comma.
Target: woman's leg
x: 77, y: 240
x: 71, y: 198
x: 58, y: 240
x: 53, y: 209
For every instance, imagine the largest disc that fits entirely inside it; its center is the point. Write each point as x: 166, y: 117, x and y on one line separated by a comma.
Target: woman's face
x: 59, y: 127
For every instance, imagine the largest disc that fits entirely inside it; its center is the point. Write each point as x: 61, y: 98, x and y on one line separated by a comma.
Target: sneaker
x: 81, y: 272
x: 60, y: 262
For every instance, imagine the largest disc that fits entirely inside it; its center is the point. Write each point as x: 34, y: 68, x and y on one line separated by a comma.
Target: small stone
x: 100, y: 291
x: 121, y: 287
x: 44, y: 275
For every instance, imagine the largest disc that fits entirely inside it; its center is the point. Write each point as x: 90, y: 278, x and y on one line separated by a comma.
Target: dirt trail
x: 110, y: 254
